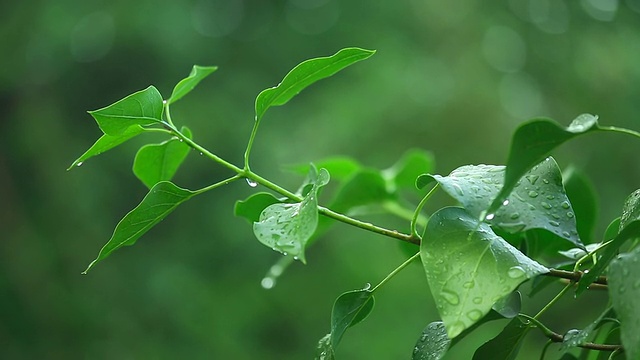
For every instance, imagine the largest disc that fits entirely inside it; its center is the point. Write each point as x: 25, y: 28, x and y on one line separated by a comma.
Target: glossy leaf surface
x: 187, y: 84
x: 140, y: 108
x: 349, y: 309
x: 161, y: 200
x: 532, y: 142
x: 469, y: 268
x: 159, y: 162
x: 305, y: 74
x: 506, y: 345
x: 287, y: 227
x: 433, y: 343
x: 624, y: 289
x: 538, y: 202
x: 107, y: 142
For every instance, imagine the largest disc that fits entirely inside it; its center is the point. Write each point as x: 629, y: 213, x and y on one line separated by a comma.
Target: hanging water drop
x: 201, y: 154
x: 268, y: 283
x: 79, y: 163
x: 251, y: 183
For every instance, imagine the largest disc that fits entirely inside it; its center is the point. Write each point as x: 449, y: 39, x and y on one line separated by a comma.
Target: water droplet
x: 555, y: 216
x: 533, y: 194
x: 550, y: 197
x: 636, y: 285
x: 251, y: 183
x: 531, y: 207
x: 458, y: 189
x: 366, y: 287
x: 505, y: 203
x: 79, y: 163
x: 474, y: 315
x: 515, y: 215
x: 469, y: 284
x: 296, y: 258
x: 201, y: 154
x: 565, y: 205
x: 490, y: 216
x: 532, y: 179
x: 451, y: 297
x: 570, y: 215
x: 516, y: 272
x: 477, y: 300
x: 622, y: 289
x: 181, y: 140
x: 268, y: 283
x: 545, y: 181
x: 554, y: 223
x: 546, y: 205
x: 566, y: 234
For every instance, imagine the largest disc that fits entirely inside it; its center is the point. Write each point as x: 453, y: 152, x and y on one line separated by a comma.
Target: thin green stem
x: 159, y: 130
x: 396, y: 271
x: 167, y: 113
x: 620, y: 130
x: 218, y: 184
x: 252, y: 137
x: 554, y: 300
x: 394, y: 208
x: 416, y: 214
x: 206, y: 152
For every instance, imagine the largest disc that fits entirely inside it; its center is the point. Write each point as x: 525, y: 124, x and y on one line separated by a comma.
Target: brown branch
x: 575, y: 276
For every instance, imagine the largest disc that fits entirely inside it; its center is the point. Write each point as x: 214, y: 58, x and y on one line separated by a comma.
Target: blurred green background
x: 453, y: 77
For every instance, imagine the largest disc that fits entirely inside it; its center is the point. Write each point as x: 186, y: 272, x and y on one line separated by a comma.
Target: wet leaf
x: 252, y: 207
x: 469, y: 268
x: 161, y: 200
x: 325, y: 349
x: 187, y: 84
x: 107, y: 142
x: 433, y: 343
x: 159, y: 162
x: 624, y: 290
x: 532, y: 142
x: 537, y: 202
x: 349, y: 309
x: 141, y: 108
x: 287, y: 227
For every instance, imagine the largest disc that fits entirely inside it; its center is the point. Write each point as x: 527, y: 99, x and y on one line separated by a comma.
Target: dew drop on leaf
x: 533, y: 194
x: 490, y: 216
x: 451, y: 297
x: 474, y: 315
x: 570, y: 214
x: 516, y: 272
x: 532, y: 179
x: 251, y: 183
x: 477, y: 300
x: 546, y: 205
x: 515, y: 216
x: 554, y: 223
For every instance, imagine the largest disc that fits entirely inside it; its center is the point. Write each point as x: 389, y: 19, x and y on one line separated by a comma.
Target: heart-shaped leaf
x: 161, y: 200
x: 287, y: 227
x: 187, y: 84
x: 469, y: 267
x: 159, y: 162
x: 108, y: 142
x: 140, y: 108
x: 537, y: 202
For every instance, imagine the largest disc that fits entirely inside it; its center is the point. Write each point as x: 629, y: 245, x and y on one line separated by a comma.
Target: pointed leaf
x: 349, y: 309
x: 506, y: 345
x: 305, y: 74
x: 252, y: 207
x: 538, y: 201
x: 141, y: 108
x: 159, y: 162
x: 161, y: 200
x: 433, y: 343
x: 187, y: 84
x: 469, y: 268
x: 624, y: 289
x: 107, y: 142
x: 364, y: 187
x: 287, y: 227
x: 629, y: 229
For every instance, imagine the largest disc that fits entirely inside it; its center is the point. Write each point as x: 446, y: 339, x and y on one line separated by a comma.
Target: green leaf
x: 506, y: 345
x: 584, y: 201
x: 107, y: 142
x: 364, y: 187
x: 252, y: 207
x: 538, y: 201
x: 349, y: 309
x: 433, y: 343
x: 624, y: 289
x: 141, y: 108
x: 404, y: 172
x: 629, y: 229
x: 187, y: 84
x: 287, y: 227
x: 305, y: 74
x: 161, y: 200
x: 469, y: 268
x: 159, y: 162
x: 509, y: 306
x: 532, y: 142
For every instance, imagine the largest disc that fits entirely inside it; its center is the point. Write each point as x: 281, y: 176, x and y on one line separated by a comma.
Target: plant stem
x: 252, y: 137
x: 574, y: 276
x: 554, y: 300
x: 218, y: 184
x: 167, y: 113
x: 620, y: 130
x: 416, y: 214
x: 397, y: 270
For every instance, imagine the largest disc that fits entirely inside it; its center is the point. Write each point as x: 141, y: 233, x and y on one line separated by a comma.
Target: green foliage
x: 510, y: 220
